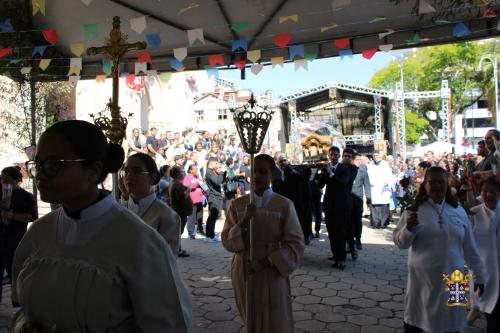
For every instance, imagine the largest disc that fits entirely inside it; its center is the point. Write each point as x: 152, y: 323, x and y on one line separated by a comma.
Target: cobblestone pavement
x: 366, y: 297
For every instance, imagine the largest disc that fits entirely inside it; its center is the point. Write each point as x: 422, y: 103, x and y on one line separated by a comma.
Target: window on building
x: 199, y: 115
x: 482, y: 104
x: 221, y: 114
x: 478, y: 122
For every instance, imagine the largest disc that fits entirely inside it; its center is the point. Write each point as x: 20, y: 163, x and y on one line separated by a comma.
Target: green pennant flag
x: 15, y: 61
x: 165, y: 77
x: 311, y: 56
x: 239, y: 26
x: 415, y: 40
x: 90, y: 30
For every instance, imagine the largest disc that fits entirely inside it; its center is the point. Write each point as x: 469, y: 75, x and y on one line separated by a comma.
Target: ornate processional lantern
x: 252, y: 122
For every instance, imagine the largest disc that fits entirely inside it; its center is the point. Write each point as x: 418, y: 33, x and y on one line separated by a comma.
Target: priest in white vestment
x: 279, y: 245
x: 440, y: 240
x: 380, y: 175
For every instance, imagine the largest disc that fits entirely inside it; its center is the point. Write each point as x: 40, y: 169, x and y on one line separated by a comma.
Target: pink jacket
x: 193, y: 183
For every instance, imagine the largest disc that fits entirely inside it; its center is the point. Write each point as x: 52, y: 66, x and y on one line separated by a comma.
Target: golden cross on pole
x: 116, y: 48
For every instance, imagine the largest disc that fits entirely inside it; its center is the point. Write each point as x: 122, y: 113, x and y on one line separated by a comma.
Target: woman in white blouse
x: 92, y: 265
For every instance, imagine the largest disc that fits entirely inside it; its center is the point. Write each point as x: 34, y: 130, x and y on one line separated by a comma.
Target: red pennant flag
x: 240, y: 64
x: 50, y: 36
x: 282, y: 40
x: 368, y: 54
x: 489, y: 13
x: 341, y: 43
x: 144, y: 56
x: 215, y: 59
x: 5, y: 52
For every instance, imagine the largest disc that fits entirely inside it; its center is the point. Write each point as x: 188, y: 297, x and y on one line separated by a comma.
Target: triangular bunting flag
x: 44, y: 63
x: 74, y: 71
x: 301, y: 63
x: 75, y: 62
x: 176, y: 64
x: 50, y: 36
x: 239, y: 44
x: 238, y: 27
x: 296, y: 50
x: 460, y: 30
x: 256, y: 68
x: 73, y: 80
x: 87, y: 2
x: 144, y: 56
x: 425, y: 8
x: 240, y: 64
x: 345, y: 53
x: 385, y: 34
x: 141, y: 67
x: 15, y: 61
x: 253, y: 55
x: 165, y: 77
x: 368, y: 54
x: 77, y: 48
x: 6, y: 26
x: 107, y: 66
x: 385, y: 47
x: 282, y: 40
x: 215, y: 59
x: 100, y: 78
x: 277, y: 61
x: 25, y: 70
x: 328, y: 27
x: 488, y: 12
x: 311, y: 56
x: 138, y: 24
x: 341, y: 43
x: 293, y: 18
x: 90, y: 31
x: 38, y: 6
x: 153, y: 40
x: 415, y: 40
x: 39, y: 50
x: 194, y: 35
x: 180, y: 53
x: 5, y: 51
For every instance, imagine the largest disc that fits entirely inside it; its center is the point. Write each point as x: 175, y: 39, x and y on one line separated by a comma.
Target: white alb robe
x: 486, y: 229
x: 380, y: 179
x: 436, y: 249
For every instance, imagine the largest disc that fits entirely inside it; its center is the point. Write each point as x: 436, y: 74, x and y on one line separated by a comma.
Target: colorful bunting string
x: 282, y: 40
x: 153, y: 40
x: 296, y: 50
x: 50, y: 36
x: 144, y: 56
x: 341, y: 43
x: 216, y: 59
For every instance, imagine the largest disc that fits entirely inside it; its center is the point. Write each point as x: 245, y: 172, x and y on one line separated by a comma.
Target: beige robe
x: 279, y: 248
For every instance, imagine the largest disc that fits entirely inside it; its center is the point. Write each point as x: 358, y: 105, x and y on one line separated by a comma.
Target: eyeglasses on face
x: 49, y: 167
x: 132, y: 172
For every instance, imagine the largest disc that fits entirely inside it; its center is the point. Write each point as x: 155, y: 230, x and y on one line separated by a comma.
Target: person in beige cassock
x: 279, y: 245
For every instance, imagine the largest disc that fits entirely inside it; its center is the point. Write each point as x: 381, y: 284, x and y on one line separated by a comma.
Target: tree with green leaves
x: 425, y: 68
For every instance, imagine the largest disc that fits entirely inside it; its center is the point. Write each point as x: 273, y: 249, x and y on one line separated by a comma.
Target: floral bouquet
x: 469, y: 163
x: 410, y: 187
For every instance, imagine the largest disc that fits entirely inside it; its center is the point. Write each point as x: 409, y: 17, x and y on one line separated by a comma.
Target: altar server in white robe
x: 137, y: 179
x: 380, y: 174
x: 439, y: 237
x: 486, y: 228
x: 92, y: 265
x: 279, y: 245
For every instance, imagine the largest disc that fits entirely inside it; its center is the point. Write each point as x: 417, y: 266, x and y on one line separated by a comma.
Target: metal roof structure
x: 323, y: 28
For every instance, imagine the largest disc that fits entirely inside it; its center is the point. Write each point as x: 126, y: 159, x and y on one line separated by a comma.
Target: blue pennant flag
x: 6, y: 26
x: 213, y: 72
x: 107, y: 66
x: 296, y: 50
x: 345, y: 53
x: 240, y: 44
x: 39, y: 50
x: 153, y: 40
x: 460, y: 30
x: 176, y: 64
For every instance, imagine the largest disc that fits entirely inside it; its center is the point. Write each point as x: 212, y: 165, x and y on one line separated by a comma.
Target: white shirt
x: 142, y: 206
x: 263, y: 201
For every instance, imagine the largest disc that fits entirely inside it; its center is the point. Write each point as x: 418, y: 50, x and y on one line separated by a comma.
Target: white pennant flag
x: 141, y: 68
x: 301, y: 63
x: 73, y: 79
x: 138, y: 24
x: 425, y: 8
x: 194, y: 35
x: 385, y: 34
x: 87, y: 2
x: 180, y: 53
x: 256, y: 68
x: 75, y: 62
x: 25, y: 70
x: 385, y: 47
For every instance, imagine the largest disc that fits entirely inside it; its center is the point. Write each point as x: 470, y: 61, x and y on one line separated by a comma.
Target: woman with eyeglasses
x: 138, y: 177
x: 92, y: 265
x: 18, y: 208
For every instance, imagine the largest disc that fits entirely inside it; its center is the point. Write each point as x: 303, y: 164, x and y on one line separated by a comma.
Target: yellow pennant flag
x: 74, y: 70
x: 328, y: 27
x: 100, y: 78
x: 38, y: 5
x: 77, y: 48
x: 277, y: 61
x: 44, y: 63
x: 293, y: 18
x: 253, y: 56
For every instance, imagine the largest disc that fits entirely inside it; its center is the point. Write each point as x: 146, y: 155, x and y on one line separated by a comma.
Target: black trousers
x: 316, y: 211
x: 336, y: 225
x: 493, y: 319
x: 305, y: 219
x: 413, y: 329
x: 8, y: 246
x: 213, y: 214
x: 356, y: 217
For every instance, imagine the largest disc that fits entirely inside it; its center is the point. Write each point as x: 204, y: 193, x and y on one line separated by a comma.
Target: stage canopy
x: 50, y: 35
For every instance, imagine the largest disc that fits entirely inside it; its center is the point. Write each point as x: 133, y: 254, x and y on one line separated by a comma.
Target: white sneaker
x: 213, y: 240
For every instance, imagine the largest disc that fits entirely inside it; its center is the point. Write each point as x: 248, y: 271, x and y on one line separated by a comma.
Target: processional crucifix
x: 115, y: 50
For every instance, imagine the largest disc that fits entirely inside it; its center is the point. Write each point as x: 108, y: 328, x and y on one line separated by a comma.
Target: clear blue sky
x: 285, y: 81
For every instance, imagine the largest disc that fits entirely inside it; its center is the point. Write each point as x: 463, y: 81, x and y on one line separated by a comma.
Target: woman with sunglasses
x: 92, y: 265
x: 138, y: 177
x: 18, y: 208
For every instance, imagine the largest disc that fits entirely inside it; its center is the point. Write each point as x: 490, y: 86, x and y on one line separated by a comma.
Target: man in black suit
x: 338, y: 178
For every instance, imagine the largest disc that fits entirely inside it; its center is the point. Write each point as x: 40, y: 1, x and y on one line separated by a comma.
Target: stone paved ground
x: 366, y: 297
